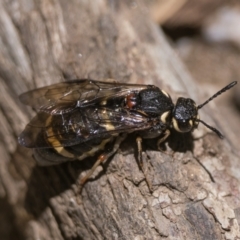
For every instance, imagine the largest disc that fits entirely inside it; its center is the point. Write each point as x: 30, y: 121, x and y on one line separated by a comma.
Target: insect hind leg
x: 102, y: 158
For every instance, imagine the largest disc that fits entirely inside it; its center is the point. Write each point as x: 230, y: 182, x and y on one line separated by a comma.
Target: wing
x: 80, y: 125
x: 64, y: 97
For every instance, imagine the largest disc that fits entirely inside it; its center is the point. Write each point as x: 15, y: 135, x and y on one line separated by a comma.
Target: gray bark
x: 44, y: 42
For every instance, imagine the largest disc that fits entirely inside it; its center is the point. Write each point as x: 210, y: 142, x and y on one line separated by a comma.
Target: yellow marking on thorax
x: 165, y: 93
x: 164, y: 116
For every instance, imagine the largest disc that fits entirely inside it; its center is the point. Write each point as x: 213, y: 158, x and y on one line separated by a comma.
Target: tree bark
x: 195, y: 180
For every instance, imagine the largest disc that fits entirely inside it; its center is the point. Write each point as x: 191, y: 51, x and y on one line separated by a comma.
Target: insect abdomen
x: 57, y: 155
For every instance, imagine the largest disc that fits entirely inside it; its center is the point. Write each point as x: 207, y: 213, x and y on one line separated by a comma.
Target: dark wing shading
x: 64, y: 97
x: 80, y: 125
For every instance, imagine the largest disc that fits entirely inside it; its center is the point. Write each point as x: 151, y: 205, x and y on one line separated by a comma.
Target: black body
x: 77, y: 119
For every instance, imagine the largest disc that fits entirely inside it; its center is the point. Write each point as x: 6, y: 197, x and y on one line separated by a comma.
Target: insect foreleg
x: 139, y: 148
x: 161, y: 140
x: 140, y: 161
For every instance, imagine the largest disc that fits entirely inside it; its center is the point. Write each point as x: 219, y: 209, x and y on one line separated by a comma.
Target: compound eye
x: 182, y: 125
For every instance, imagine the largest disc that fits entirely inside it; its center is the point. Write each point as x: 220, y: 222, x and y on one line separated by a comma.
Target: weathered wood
x: 44, y: 42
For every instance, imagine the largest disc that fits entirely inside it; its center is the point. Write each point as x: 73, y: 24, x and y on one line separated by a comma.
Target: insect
x: 79, y: 118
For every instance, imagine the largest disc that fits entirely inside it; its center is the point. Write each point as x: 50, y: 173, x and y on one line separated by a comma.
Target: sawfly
x: 78, y: 119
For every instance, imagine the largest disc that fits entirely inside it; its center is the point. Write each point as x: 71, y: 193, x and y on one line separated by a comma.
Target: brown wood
x: 44, y: 42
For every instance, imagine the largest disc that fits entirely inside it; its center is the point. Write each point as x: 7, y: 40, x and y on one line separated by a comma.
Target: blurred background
x: 206, y: 35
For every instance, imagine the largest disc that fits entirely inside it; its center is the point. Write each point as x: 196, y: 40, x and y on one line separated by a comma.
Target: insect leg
x: 102, y: 158
x: 166, y: 135
x: 140, y: 160
x: 139, y: 148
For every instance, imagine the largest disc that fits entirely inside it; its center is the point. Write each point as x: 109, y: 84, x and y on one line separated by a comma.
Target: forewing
x: 64, y: 97
x: 45, y: 131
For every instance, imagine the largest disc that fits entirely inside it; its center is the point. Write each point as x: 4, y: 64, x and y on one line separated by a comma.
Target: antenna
x: 211, y: 98
x: 210, y: 127
x: 217, y: 94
